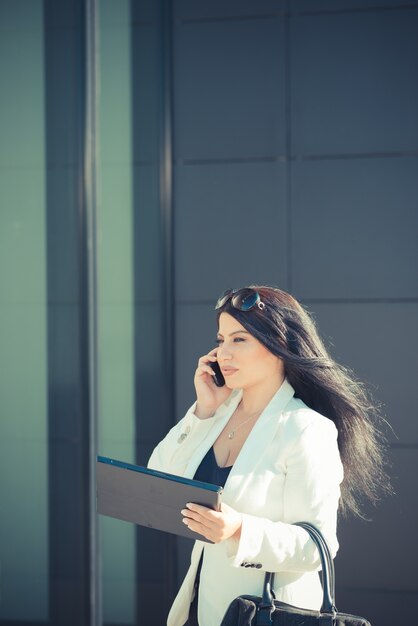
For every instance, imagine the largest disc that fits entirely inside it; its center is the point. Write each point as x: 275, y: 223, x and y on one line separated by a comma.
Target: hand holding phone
x: 211, y: 389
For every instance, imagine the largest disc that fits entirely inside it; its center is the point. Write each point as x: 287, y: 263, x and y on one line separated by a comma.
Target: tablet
x: 150, y: 498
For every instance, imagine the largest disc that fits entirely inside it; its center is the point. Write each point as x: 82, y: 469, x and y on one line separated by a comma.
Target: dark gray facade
x: 296, y: 159
x: 234, y: 142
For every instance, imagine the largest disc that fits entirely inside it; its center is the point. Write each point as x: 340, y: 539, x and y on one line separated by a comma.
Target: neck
x: 256, y: 398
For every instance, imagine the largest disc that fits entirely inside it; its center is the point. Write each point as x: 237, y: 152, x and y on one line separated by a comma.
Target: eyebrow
x: 234, y: 333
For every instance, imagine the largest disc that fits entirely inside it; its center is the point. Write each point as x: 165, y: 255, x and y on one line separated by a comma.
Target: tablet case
x: 150, y: 498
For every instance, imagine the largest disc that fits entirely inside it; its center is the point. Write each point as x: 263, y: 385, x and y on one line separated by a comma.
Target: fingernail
x: 185, y: 521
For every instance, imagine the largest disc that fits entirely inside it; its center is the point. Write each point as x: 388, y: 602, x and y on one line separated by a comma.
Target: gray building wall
x: 295, y: 164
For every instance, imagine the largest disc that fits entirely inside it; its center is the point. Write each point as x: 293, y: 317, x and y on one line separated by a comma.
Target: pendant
x: 231, y: 434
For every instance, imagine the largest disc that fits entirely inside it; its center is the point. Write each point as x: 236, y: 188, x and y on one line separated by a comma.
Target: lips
x: 227, y: 371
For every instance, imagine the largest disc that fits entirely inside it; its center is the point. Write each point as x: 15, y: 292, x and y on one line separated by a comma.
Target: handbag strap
x: 328, y: 609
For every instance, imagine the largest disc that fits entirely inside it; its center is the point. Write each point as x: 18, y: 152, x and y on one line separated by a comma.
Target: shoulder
x: 298, y: 419
x: 308, y: 438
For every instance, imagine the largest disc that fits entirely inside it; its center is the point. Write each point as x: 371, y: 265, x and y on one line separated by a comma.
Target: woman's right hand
x: 209, y: 396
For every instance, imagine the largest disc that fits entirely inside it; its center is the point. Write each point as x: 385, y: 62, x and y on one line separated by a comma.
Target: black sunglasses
x: 242, y: 299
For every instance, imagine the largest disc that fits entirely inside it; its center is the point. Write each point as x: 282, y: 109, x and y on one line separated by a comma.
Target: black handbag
x: 267, y: 611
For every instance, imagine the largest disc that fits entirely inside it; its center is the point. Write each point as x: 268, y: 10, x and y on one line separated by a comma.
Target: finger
x: 204, y: 369
x: 204, y: 359
x: 196, y: 527
x: 197, y: 518
x: 207, y: 513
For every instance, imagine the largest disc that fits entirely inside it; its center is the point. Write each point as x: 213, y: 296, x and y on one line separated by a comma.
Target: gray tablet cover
x: 149, y: 498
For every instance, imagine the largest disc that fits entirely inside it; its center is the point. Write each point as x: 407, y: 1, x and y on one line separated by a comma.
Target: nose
x: 223, y: 353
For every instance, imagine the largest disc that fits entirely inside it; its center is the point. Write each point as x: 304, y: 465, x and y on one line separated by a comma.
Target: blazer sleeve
x: 314, y: 473
x: 173, y: 453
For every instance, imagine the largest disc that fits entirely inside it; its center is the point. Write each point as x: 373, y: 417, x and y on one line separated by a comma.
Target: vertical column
x: 68, y: 332
x: 153, y: 280
x: 90, y: 241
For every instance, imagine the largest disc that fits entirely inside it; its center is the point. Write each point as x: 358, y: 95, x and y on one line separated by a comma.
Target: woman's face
x: 244, y: 361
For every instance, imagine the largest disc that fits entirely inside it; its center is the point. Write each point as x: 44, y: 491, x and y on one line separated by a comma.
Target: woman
x: 289, y: 436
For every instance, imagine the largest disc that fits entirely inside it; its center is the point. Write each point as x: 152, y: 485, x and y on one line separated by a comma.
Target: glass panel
x: 115, y: 295
x: 23, y: 316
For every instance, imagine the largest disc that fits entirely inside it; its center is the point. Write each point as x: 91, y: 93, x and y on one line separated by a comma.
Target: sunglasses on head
x: 242, y: 299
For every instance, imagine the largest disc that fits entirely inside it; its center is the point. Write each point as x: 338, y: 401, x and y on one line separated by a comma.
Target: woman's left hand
x: 214, y: 525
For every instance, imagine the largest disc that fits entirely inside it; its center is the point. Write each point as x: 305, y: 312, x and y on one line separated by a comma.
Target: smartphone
x: 218, y: 379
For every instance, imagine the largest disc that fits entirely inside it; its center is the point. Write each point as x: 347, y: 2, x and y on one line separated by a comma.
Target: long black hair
x: 288, y: 331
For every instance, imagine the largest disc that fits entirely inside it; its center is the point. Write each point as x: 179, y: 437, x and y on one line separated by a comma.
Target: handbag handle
x: 327, y: 551
x: 328, y: 608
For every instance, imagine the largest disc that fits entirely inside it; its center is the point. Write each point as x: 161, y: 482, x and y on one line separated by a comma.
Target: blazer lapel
x: 256, y: 443
x: 213, y: 434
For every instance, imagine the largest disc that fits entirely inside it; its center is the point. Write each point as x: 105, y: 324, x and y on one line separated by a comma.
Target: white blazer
x: 288, y: 470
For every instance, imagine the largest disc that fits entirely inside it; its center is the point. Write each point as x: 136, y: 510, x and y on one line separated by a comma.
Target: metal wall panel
x: 229, y: 93
x: 237, y: 214
x: 354, y: 228
x: 353, y: 82
x: 218, y: 9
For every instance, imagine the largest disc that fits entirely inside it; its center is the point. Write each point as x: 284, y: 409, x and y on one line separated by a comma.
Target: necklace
x: 231, y: 434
